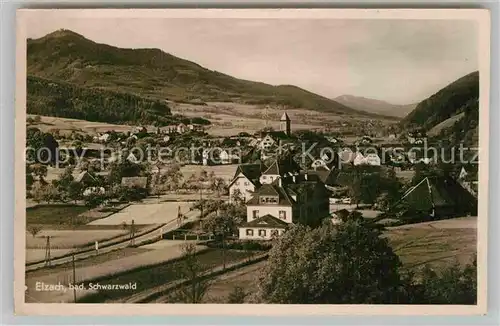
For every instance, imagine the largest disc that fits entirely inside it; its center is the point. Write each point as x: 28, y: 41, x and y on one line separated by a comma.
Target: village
x: 226, y: 193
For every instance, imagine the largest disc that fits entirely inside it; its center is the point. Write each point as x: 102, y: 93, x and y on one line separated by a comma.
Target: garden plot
x: 68, y: 239
x: 223, y: 171
x: 144, y: 214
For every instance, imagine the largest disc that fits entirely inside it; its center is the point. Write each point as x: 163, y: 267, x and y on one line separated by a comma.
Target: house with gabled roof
x: 439, y: 197
x: 278, y: 169
x: 289, y: 199
x: 245, y: 181
x: 262, y: 228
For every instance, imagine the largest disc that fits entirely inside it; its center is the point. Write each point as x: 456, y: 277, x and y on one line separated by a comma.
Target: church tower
x: 285, y: 124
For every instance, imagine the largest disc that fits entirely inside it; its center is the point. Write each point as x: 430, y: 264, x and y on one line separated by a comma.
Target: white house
x: 132, y: 158
x: 245, y: 181
x: 359, y: 159
x: 181, y: 128
x: 104, y: 138
x: 463, y: 174
x: 93, y: 191
x: 274, y: 206
x: 346, y: 155
x: 267, y: 142
x: 262, y: 228
x: 372, y: 159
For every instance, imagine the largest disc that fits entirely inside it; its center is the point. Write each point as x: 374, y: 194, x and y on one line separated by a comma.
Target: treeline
x: 48, y: 97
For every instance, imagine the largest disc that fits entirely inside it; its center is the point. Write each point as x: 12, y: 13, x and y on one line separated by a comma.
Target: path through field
x: 152, y: 213
x: 149, y: 256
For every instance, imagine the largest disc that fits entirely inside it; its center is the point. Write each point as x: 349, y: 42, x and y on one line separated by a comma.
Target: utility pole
x: 74, y: 276
x: 47, y: 252
x: 132, y: 233
x: 201, y: 208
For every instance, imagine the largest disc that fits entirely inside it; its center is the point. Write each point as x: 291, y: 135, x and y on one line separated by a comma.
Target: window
x: 255, y: 213
x: 282, y: 215
x: 246, y: 183
x: 262, y: 233
x: 274, y: 233
x: 237, y: 183
x: 264, y: 177
x: 271, y: 178
x: 268, y: 199
x: 250, y: 232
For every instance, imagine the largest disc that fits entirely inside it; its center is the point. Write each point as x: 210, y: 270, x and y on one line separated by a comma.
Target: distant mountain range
x: 65, y: 56
x: 375, y: 106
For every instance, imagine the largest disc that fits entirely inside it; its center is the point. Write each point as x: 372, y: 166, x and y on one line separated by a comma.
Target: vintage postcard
x: 283, y: 162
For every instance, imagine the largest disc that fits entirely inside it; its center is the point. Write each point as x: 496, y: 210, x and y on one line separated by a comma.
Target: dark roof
x: 266, y: 221
x: 271, y: 190
x: 251, y: 171
x: 322, y: 174
x: 434, y: 192
x: 283, y: 166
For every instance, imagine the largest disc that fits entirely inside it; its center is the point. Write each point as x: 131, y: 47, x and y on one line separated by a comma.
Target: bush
x: 242, y: 245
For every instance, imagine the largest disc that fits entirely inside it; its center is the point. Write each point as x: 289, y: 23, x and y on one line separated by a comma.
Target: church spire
x: 285, y: 124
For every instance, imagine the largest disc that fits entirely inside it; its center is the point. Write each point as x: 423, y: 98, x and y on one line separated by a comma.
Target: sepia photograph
x: 315, y: 158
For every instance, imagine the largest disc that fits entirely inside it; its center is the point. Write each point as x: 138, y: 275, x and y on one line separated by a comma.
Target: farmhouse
x: 245, y: 181
x: 439, y: 197
x: 181, y: 128
x: 85, y: 177
x: 278, y: 169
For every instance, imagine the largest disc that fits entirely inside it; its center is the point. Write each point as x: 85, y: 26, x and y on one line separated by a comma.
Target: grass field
x: 66, y: 125
x: 438, y: 244
x: 245, y: 278
x: 150, y: 277
x: 143, y: 214
x: 68, y: 239
x: 53, y: 214
x: 223, y: 171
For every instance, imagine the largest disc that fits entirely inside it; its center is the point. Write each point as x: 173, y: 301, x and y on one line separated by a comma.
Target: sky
x: 399, y: 61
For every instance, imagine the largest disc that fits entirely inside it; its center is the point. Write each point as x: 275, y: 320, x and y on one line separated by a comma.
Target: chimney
x: 279, y: 181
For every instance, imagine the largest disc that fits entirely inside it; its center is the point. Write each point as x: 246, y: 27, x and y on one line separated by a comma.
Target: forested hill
x: 449, y: 101
x: 67, y: 56
x: 458, y: 103
x: 48, y: 97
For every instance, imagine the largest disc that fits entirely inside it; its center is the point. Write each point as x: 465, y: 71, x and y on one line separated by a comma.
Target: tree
x: 39, y: 170
x: 453, y: 285
x: 344, y: 264
x: 221, y: 225
x: 192, y: 271
x: 172, y: 177
x: 218, y: 185
x: 237, y: 197
x: 94, y: 199
x: 74, y: 191
x: 237, y: 295
x: 29, y: 178
x: 34, y: 229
